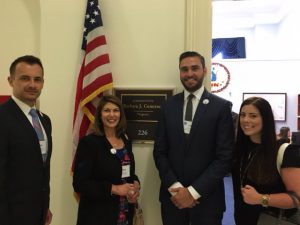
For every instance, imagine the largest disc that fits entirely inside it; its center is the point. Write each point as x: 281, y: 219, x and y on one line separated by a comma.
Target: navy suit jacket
x: 202, y: 159
x: 24, y: 177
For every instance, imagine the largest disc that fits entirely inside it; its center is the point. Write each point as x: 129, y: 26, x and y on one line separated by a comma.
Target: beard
x: 193, y: 87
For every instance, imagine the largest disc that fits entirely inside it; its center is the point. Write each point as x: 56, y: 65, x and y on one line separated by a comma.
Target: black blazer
x: 95, y: 170
x: 24, y: 178
x: 204, y: 158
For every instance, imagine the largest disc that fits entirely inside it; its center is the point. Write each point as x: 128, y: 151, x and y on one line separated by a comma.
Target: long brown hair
x: 263, y: 169
x: 98, y: 125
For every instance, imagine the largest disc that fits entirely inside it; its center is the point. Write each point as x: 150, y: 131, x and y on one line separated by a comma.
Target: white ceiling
x: 248, y: 13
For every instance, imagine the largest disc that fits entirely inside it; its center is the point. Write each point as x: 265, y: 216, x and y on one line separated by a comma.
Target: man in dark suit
x: 25, y: 148
x: 193, y: 149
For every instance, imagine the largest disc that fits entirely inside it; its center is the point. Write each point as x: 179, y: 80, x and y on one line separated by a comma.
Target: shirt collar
x: 198, y: 93
x: 23, y: 106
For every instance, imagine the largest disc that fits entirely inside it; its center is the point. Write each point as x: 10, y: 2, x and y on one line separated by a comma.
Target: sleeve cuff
x: 193, y: 192
x: 175, y: 185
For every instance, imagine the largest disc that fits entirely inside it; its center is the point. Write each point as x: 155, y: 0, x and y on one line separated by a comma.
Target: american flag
x: 95, y: 75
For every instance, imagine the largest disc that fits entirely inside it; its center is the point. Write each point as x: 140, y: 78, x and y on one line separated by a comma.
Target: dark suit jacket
x: 24, y: 178
x: 95, y: 170
x: 204, y: 159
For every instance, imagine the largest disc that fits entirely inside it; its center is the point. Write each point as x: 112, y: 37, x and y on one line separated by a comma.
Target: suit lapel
x: 44, y: 123
x: 21, y: 117
x: 178, y: 112
x: 200, y: 112
x: 24, y: 122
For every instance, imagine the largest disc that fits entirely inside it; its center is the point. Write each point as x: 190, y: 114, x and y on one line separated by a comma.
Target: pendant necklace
x: 248, y: 163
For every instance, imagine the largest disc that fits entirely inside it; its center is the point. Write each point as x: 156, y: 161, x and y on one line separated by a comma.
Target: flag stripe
x: 94, y: 76
x: 97, y: 85
x: 78, y: 92
x: 99, y: 50
x: 95, y: 94
x: 97, y: 41
x: 92, y: 70
x: 95, y: 62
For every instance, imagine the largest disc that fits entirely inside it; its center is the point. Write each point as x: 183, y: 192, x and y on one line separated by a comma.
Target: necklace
x: 115, y: 142
x: 248, y: 163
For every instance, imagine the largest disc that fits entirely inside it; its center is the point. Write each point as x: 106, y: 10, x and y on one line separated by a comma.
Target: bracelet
x: 265, y: 200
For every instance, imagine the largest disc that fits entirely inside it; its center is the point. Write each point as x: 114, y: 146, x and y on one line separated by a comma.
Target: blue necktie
x: 38, y: 128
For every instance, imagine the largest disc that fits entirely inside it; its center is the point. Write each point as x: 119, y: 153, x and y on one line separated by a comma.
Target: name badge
x: 187, y: 126
x: 125, y: 171
x: 43, y: 147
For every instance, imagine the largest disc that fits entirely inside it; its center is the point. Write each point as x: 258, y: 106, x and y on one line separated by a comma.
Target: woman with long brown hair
x: 258, y: 186
x: 104, y: 171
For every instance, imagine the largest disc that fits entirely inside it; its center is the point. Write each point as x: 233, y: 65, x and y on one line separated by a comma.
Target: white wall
x: 20, y: 33
x: 61, y: 26
x: 271, y: 64
x: 263, y: 77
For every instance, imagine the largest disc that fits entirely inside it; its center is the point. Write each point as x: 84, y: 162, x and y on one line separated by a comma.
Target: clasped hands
x: 133, y: 192
x: 130, y: 190
x: 182, y: 198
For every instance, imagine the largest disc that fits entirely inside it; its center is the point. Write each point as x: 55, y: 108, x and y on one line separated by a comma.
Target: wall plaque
x: 142, y: 108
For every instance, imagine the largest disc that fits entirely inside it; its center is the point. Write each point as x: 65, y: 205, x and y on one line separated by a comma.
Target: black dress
x: 97, y: 167
x: 244, y: 213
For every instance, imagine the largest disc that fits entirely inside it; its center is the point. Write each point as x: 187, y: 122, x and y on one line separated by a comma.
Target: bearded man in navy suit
x: 193, y: 154
x: 24, y: 151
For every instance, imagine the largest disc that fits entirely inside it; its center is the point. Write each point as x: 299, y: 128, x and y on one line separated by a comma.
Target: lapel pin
x: 205, y: 101
x: 113, y: 151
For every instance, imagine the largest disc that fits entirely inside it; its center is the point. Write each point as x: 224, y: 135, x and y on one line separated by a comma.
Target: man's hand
x: 48, y: 217
x: 182, y: 198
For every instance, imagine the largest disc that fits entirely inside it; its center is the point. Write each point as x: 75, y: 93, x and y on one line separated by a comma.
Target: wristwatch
x: 265, y: 200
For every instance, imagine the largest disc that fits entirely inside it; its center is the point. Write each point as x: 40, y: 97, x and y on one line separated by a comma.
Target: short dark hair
x: 284, y: 132
x: 192, y: 54
x: 28, y: 59
x: 98, y: 124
